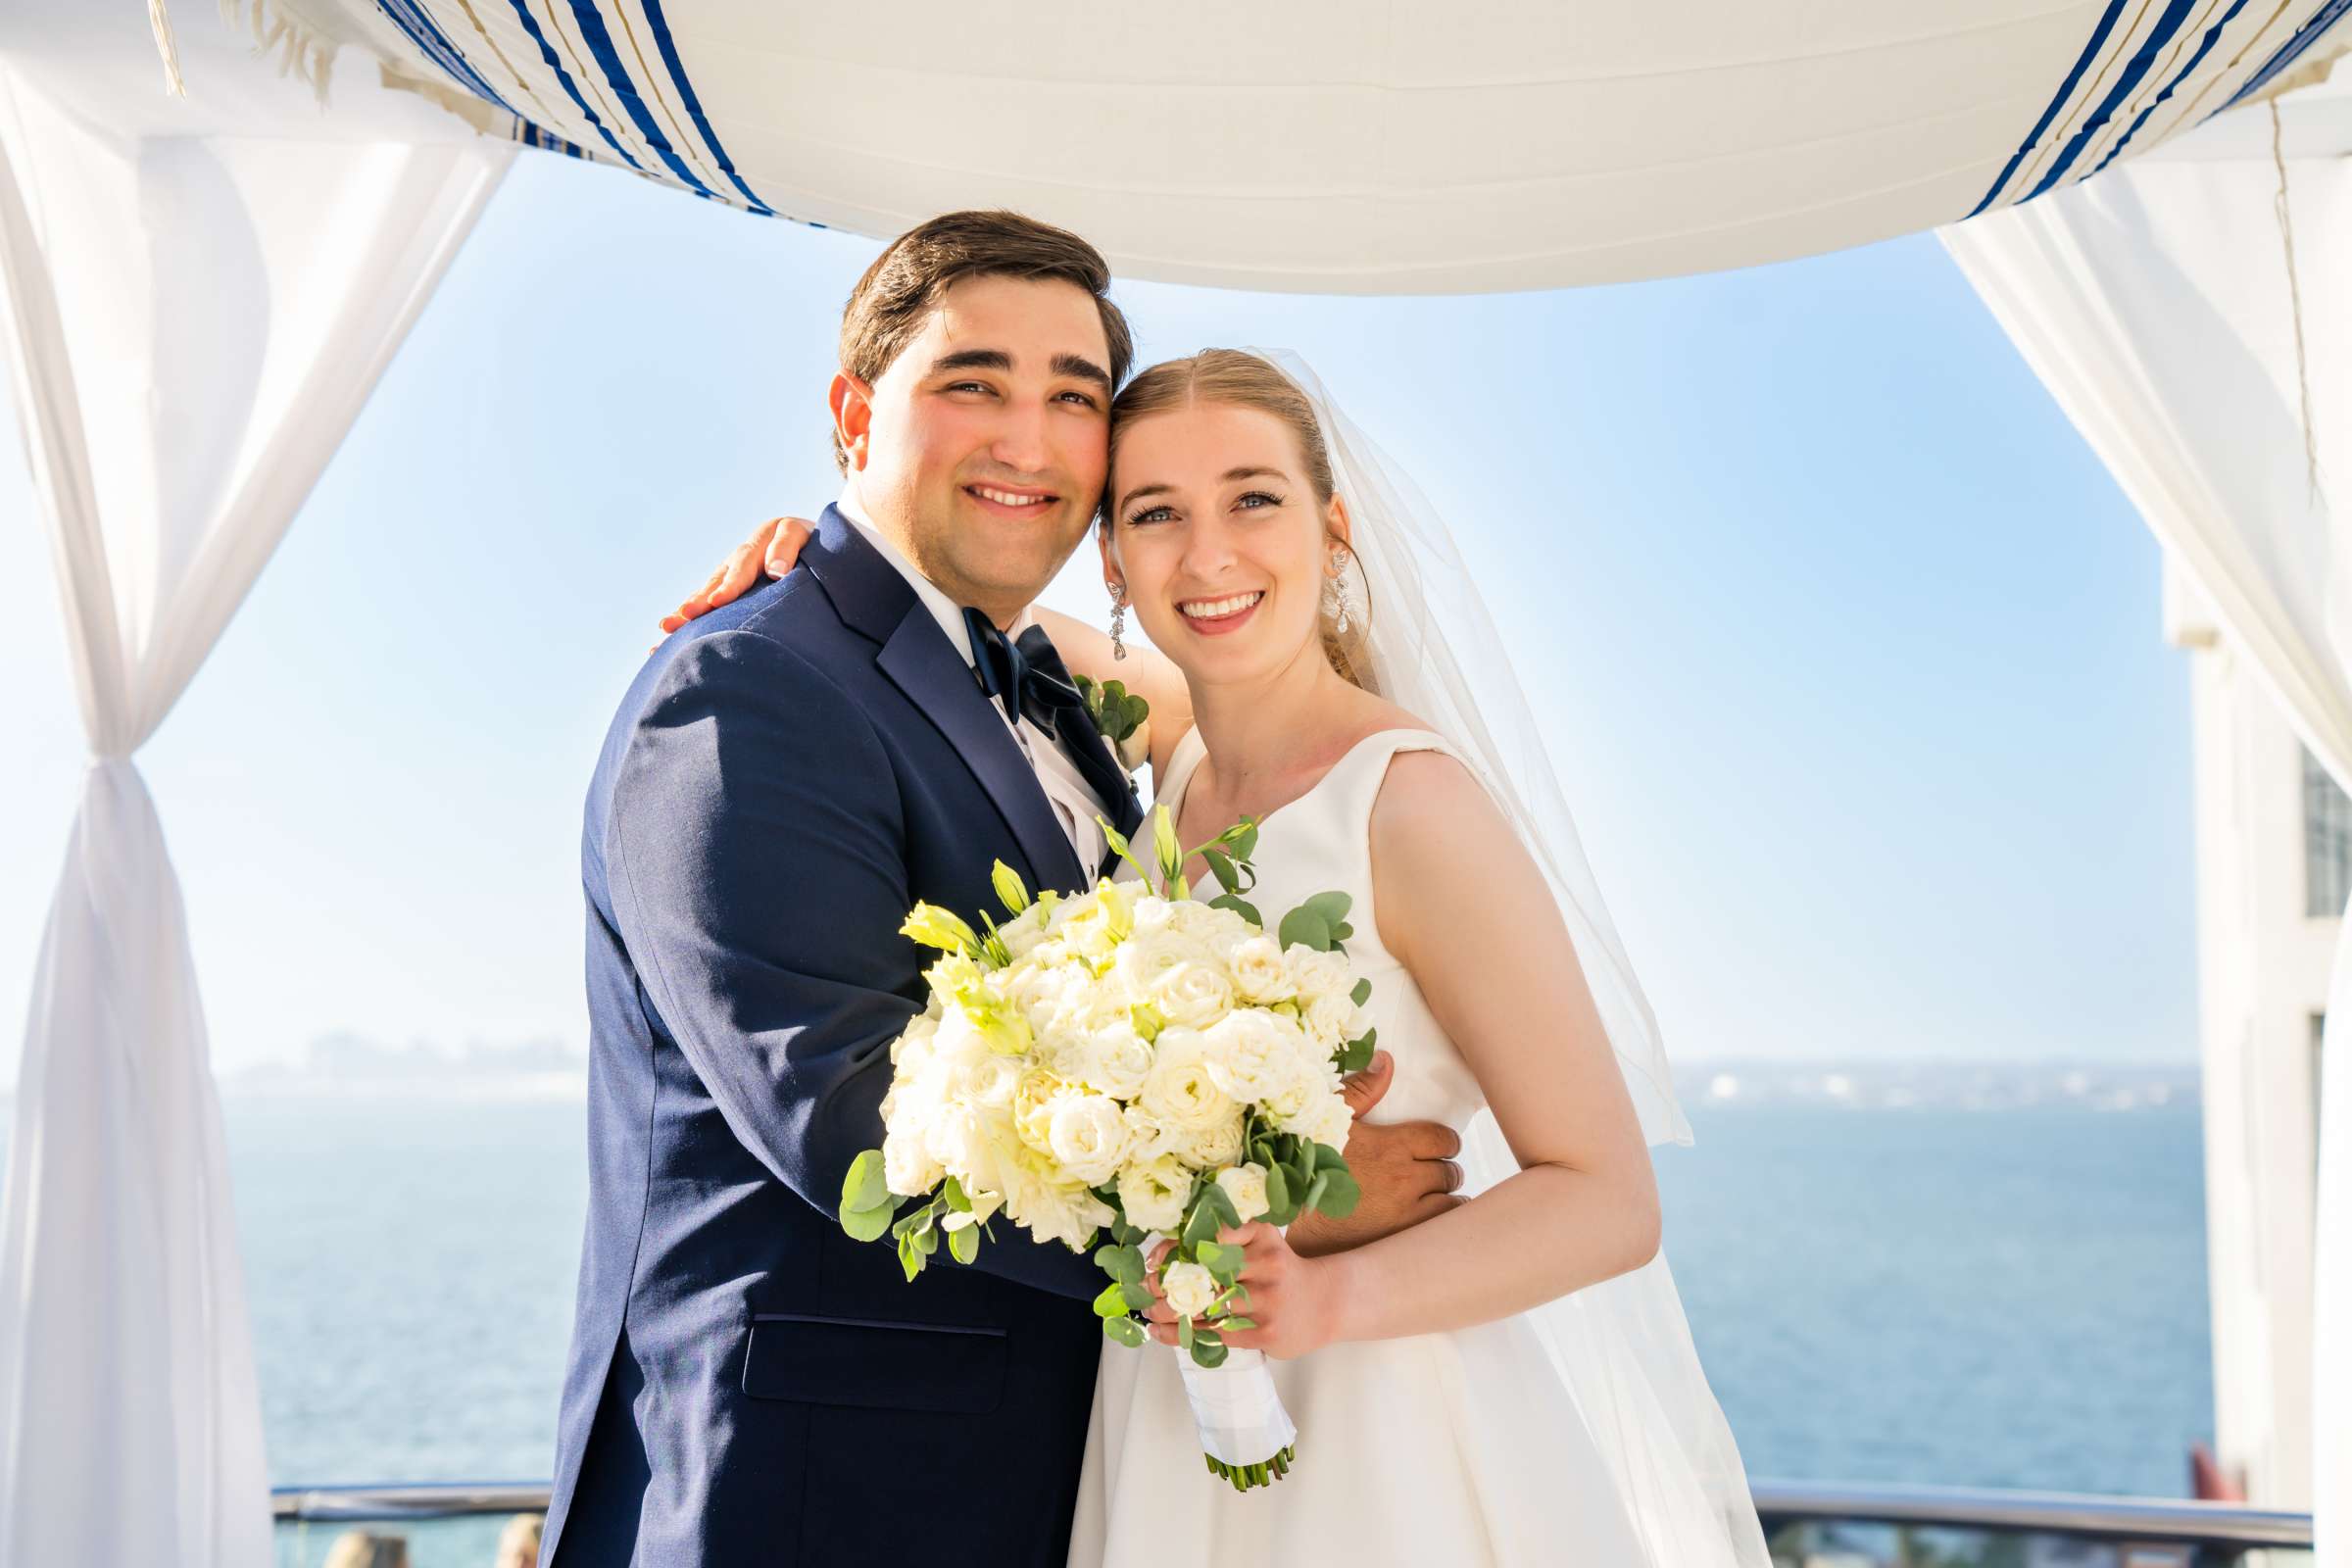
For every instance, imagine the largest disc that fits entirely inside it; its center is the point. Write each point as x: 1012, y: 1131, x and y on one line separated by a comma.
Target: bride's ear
x: 1337, y: 525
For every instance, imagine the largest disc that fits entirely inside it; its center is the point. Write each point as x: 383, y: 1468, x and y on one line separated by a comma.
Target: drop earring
x: 1339, y: 603
x: 1118, y: 619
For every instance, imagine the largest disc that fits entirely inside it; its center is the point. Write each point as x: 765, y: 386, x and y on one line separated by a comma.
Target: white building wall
x: 2263, y: 967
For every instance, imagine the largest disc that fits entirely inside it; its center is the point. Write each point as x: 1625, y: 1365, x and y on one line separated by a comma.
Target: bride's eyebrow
x: 1140, y: 492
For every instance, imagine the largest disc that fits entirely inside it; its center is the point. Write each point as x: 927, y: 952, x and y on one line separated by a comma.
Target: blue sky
x: 1846, y: 648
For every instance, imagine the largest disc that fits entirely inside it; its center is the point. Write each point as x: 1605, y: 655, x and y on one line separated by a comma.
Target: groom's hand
x: 1407, y: 1171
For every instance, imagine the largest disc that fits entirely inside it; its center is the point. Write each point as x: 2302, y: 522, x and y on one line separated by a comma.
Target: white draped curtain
x: 192, y: 323
x: 2158, y: 306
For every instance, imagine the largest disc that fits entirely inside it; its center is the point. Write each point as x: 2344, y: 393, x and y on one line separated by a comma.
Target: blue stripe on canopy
x: 2319, y: 22
x: 530, y: 25
x: 431, y: 42
x: 2142, y: 61
x: 694, y: 105
x: 599, y: 39
x: 2065, y: 90
x: 2213, y: 35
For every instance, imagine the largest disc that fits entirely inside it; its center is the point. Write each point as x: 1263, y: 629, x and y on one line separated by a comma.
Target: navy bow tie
x: 1023, y: 673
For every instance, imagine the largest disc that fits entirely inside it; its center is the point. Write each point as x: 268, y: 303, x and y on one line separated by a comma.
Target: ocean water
x: 1995, y: 1297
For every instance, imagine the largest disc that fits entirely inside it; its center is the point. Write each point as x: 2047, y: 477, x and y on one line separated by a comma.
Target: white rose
x: 989, y: 1081
x: 908, y: 1167
x: 1148, y: 1138
x: 1088, y: 1138
x: 1112, y: 1060
x: 913, y: 1044
x: 1193, y: 919
x: 1246, y: 1185
x: 1024, y: 933
x: 1259, y: 973
x: 1333, y: 1020
x: 1155, y: 1193
x: 1193, y: 994
x: 1218, y: 1144
x: 1252, y: 1053
x: 1178, y: 1090
x: 1190, y: 1289
x: 1317, y: 974
x: 1324, y: 1120
x: 1311, y: 1081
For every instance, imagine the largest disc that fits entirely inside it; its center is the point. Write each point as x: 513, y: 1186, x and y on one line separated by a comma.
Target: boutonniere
x: 1124, y: 719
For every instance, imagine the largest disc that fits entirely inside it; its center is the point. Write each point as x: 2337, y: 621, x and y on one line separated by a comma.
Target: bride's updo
x: 1244, y: 380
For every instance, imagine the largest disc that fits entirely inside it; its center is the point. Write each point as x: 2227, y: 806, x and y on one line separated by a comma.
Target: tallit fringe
x: 161, y: 21
x: 302, y: 53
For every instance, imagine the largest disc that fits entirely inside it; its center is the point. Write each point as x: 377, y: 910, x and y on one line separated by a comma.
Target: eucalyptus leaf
x: 1361, y: 994
x: 1314, y: 1192
x: 1208, y: 1351
x: 1126, y: 1330
x: 1332, y: 907
x: 865, y: 1187
x: 953, y: 1191
x: 866, y: 1224
x: 1221, y: 868
x: 1248, y: 912
x: 1139, y: 1297
x: 1235, y: 1324
x: 1124, y: 1265
x: 1304, y: 927
x: 1278, y: 1187
x: 1112, y: 1302
x: 1185, y: 1333
x: 1329, y: 1159
x: 1340, y: 1193
x: 964, y: 1243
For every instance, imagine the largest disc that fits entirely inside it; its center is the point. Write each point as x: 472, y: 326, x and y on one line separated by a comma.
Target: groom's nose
x: 1018, y: 441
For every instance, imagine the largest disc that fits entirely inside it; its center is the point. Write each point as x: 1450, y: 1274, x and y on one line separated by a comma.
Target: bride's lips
x: 1215, y: 618
x: 1013, y: 500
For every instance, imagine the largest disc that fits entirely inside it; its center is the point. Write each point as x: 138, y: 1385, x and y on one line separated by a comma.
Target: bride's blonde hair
x: 1244, y: 380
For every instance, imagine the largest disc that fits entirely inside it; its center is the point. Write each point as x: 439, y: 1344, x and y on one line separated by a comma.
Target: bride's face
x: 1220, y: 539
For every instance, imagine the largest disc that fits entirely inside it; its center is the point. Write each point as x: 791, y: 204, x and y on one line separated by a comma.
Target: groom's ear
x: 853, y: 404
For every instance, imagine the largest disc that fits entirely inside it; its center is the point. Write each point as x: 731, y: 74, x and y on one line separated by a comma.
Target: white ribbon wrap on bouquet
x: 1239, y: 1414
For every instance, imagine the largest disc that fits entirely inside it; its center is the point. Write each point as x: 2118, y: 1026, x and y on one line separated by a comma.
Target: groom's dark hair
x: 897, y: 293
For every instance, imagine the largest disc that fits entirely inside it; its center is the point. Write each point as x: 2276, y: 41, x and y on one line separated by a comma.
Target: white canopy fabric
x: 192, y: 323
x: 2158, y: 308
x: 1329, y: 146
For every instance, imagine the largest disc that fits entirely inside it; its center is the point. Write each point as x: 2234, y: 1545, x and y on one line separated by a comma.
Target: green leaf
x: 1185, y: 1333
x: 1244, y: 844
x: 909, y: 1258
x: 1278, y: 1188
x: 1248, y: 912
x: 1202, y: 1225
x: 864, y: 1186
x: 1235, y: 1324
x: 1332, y: 907
x: 1339, y: 1192
x: 953, y: 1192
x: 1361, y: 994
x: 1122, y: 1264
x: 1139, y: 1297
x: 1227, y: 1214
x: 1314, y: 1192
x: 1356, y: 1055
x: 1112, y: 1302
x: 1221, y: 868
x: 965, y: 1244
x: 1133, y: 711
x: 1126, y: 1330
x: 1208, y: 1351
x: 1163, y: 841
x: 866, y: 1224
x: 1304, y: 927
x: 1329, y: 1159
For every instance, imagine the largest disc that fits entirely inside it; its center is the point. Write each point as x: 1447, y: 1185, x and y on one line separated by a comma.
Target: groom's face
x: 982, y: 447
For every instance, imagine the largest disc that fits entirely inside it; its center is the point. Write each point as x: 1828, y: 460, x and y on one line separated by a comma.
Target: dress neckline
x: 1200, y: 754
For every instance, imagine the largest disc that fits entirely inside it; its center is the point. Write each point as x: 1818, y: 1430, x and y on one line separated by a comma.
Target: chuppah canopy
x: 2192, y: 315
x: 1332, y: 147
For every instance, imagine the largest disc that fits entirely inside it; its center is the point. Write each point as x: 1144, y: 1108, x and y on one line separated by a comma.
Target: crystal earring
x: 1338, y: 598
x: 1118, y: 619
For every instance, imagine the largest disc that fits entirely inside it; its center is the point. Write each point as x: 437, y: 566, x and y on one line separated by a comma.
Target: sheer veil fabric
x: 1623, y: 1348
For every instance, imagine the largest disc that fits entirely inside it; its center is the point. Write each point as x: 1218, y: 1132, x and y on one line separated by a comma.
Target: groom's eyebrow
x: 1077, y: 366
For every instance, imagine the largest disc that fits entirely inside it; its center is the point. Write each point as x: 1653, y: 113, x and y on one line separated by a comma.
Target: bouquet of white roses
x: 1137, y: 1062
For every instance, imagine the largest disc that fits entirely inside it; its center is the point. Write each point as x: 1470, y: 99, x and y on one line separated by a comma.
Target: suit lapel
x: 917, y: 658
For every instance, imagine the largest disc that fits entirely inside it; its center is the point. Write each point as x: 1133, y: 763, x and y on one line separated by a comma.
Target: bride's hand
x: 770, y: 552
x: 1293, y: 1300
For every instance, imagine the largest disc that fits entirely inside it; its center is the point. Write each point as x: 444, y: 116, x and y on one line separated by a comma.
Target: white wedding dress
x: 1465, y: 1450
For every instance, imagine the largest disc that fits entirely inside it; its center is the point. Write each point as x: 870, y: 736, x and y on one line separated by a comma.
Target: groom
x: 783, y: 781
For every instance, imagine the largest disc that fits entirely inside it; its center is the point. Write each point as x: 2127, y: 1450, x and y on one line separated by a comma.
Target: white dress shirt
x: 1074, y: 804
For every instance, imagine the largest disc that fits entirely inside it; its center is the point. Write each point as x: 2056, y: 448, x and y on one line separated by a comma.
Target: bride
x: 1510, y: 1381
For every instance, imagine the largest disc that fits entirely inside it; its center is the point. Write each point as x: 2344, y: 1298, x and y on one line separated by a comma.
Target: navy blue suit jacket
x: 785, y: 779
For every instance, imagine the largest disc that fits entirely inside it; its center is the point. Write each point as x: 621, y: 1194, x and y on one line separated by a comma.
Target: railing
x: 1834, y: 1526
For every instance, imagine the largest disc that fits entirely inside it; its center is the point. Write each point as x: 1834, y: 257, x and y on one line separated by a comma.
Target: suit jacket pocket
x: 882, y: 1367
